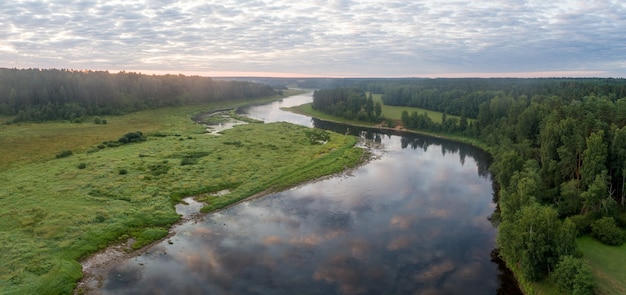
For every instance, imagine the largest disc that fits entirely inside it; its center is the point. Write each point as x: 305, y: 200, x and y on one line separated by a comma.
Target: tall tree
x: 594, y: 158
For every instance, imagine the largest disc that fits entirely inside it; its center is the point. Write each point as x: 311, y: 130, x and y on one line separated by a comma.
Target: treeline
x: 449, y: 125
x: 561, y: 166
x: 559, y: 148
x: 457, y: 96
x: 41, y: 95
x: 349, y: 103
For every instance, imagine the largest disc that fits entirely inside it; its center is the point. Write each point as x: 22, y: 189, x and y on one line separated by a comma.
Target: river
x: 414, y: 220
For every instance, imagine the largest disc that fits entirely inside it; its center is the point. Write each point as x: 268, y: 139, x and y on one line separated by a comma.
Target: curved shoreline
x: 96, y: 266
x: 402, y: 130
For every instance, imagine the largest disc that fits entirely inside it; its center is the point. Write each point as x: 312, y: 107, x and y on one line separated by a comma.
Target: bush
x: 188, y: 161
x: 583, y: 223
x: 123, y: 172
x: 317, y: 136
x: 158, y: 169
x: 82, y: 166
x: 64, y: 154
x: 605, y: 230
x: 132, y: 137
x: 574, y: 276
x: 621, y: 219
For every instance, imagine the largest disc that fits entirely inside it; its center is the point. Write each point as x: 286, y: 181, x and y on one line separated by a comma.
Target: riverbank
x: 546, y: 288
x: 57, y: 211
x: 307, y: 110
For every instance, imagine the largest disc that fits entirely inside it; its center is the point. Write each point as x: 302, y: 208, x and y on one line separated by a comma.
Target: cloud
x: 334, y: 37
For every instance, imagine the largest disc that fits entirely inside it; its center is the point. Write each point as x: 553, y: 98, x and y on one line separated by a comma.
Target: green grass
x: 29, y: 142
x: 394, y: 113
x: 608, y: 263
x: 52, y: 213
x: 390, y: 112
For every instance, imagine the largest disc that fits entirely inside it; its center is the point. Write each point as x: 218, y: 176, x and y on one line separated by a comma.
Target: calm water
x: 412, y: 221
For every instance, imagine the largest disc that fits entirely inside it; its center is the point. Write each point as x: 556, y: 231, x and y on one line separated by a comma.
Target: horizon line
x: 259, y: 74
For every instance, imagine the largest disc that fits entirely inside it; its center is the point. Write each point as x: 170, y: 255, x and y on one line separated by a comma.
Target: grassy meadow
x: 390, y: 112
x: 608, y: 263
x: 56, y: 211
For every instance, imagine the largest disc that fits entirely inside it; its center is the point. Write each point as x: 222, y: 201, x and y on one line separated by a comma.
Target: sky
x: 319, y: 38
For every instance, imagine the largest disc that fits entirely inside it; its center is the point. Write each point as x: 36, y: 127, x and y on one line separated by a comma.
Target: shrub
x: 621, y: 219
x: 64, y: 154
x: 123, y: 172
x: 97, y: 120
x: 574, y: 276
x: 583, y: 223
x: 605, y: 230
x: 317, y: 136
x: 188, y: 161
x: 82, y: 166
x: 148, y: 235
x: 132, y: 137
x: 158, y: 169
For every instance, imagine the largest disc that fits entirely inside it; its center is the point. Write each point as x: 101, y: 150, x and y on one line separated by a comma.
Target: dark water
x: 412, y: 221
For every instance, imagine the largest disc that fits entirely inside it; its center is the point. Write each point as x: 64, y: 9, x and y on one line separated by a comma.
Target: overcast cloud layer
x: 319, y: 37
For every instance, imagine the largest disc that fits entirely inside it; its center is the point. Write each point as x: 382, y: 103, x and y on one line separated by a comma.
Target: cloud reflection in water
x: 414, y: 221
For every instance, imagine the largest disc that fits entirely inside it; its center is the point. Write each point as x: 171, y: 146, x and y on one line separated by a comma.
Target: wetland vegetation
x: 55, y: 212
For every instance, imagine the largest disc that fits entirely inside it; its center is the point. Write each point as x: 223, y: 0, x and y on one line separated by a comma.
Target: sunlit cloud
x: 336, y: 38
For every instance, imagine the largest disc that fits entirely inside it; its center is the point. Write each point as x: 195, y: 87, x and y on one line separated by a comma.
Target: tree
x: 378, y: 110
x: 404, y: 117
x: 598, y: 191
x: 569, y: 202
x: 618, y: 153
x: 594, y: 158
x: 463, y: 121
x: 523, y: 189
x: 534, y: 238
x: 573, y: 276
x: 605, y: 230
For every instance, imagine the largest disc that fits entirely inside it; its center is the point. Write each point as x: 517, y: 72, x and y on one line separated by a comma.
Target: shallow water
x: 412, y: 221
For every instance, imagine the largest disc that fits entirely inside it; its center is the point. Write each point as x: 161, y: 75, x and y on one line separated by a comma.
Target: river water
x: 412, y: 221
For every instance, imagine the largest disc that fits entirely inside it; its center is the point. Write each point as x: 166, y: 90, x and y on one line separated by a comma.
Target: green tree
x: 534, y: 238
x: 597, y: 192
x: 404, y: 117
x: 522, y: 190
x: 378, y: 110
x: 605, y: 230
x: 463, y: 121
x: 594, y: 158
x: 573, y: 276
x: 569, y: 202
x: 618, y: 153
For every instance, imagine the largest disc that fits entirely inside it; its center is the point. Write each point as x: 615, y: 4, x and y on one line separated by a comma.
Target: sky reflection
x: 413, y: 221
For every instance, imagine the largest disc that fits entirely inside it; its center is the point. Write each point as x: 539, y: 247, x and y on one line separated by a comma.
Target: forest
x: 348, y: 103
x: 53, y: 94
x: 559, y: 149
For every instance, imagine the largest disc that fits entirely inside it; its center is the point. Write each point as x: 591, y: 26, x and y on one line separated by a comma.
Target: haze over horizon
x: 317, y: 38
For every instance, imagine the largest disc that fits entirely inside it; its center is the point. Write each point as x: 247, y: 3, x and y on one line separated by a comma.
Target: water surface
x: 412, y: 221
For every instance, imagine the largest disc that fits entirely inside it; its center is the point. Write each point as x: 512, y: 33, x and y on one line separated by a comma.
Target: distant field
x: 390, y: 112
x: 608, y: 263
x: 29, y: 142
x: 55, y: 211
x: 395, y: 112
